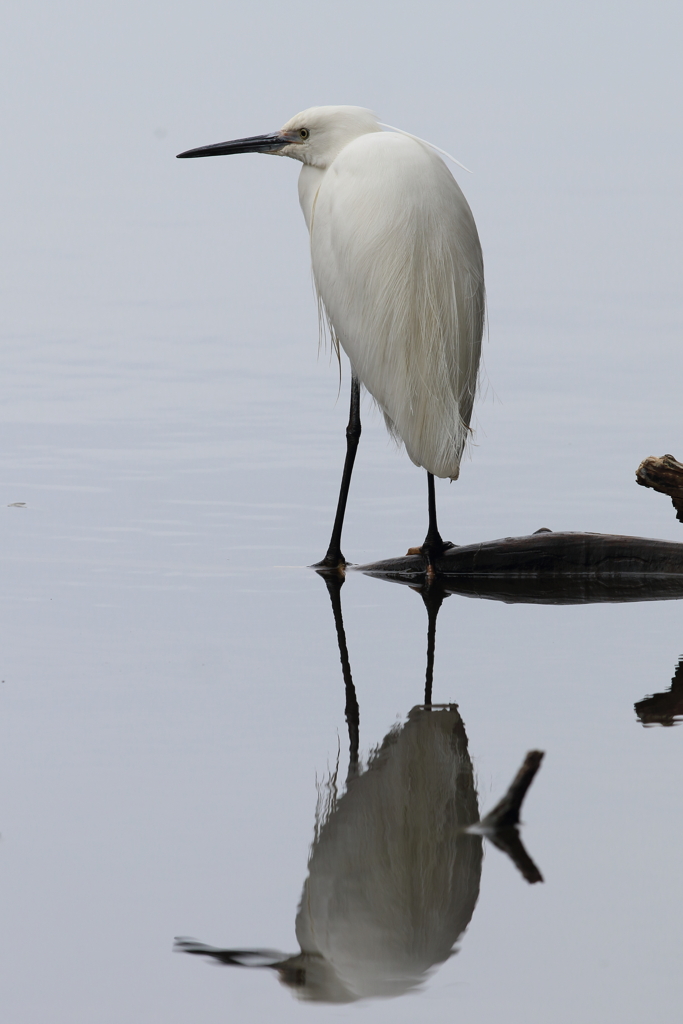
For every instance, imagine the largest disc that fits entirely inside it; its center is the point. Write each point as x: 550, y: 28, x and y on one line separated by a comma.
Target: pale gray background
x: 171, y: 682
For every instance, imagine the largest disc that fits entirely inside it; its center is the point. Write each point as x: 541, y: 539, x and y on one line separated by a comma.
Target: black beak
x: 256, y: 144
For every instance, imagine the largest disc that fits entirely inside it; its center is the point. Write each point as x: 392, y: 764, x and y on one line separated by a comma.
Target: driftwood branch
x: 664, y: 474
x: 500, y: 826
x: 506, y: 812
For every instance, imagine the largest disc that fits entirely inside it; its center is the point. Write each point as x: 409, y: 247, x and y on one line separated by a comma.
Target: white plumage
x: 398, y: 267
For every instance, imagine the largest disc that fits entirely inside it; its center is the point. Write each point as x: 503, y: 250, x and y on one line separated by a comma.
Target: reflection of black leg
x: 433, y: 546
x: 433, y: 596
x: 334, y: 558
x: 334, y: 584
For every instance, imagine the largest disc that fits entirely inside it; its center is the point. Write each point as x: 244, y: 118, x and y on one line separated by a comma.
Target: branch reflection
x: 395, y: 865
x: 664, y: 708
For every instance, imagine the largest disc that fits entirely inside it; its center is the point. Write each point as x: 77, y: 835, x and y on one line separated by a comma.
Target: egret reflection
x: 395, y: 865
x: 393, y: 877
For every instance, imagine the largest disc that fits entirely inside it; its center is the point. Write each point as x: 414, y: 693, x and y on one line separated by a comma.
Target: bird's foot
x: 332, y: 564
x: 421, y: 550
x: 433, y: 549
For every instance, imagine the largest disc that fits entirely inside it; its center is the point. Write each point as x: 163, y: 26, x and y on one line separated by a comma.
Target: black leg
x: 433, y: 546
x: 334, y: 558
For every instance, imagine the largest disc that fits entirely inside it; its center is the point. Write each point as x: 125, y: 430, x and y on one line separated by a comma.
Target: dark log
x: 665, y: 475
x: 506, y: 812
x: 551, y: 568
x: 500, y: 825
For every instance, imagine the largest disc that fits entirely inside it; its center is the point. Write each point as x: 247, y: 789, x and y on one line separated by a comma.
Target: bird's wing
x: 398, y: 265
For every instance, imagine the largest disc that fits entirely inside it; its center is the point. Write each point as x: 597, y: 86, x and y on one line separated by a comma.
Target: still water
x: 176, y: 754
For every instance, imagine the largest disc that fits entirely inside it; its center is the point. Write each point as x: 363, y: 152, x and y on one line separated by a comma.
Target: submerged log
x: 665, y: 475
x: 551, y: 568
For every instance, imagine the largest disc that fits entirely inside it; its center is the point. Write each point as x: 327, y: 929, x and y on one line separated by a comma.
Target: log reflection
x: 663, y: 708
x: 395, y: 865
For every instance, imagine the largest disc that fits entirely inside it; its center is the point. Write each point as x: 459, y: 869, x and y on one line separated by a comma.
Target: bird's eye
x: 304, y: 133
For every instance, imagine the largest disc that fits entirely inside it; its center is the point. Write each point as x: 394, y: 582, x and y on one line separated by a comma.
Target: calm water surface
x: 174, y: 710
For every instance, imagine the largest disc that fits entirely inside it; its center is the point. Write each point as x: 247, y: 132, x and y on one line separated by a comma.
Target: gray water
x: 172, y: 694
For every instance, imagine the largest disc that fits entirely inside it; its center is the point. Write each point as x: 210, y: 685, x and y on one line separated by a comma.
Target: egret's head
x: 315, y: 136
x: 319, y: 134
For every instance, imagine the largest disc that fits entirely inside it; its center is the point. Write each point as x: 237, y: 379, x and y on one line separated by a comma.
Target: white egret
x: 399, y: 273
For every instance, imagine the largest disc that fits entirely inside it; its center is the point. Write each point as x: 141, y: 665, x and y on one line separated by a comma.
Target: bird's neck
x: 310, y: 179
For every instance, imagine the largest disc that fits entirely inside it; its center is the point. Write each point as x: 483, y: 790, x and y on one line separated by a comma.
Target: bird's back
x: 398, y: 265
